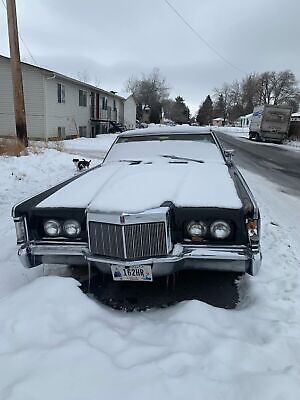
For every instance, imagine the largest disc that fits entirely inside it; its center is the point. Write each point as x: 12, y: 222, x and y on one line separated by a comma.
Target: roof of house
x: 246, y: 116
x: 67, y: 78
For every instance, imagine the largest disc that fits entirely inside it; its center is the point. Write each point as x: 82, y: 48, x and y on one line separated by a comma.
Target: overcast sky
x: 110, y: 41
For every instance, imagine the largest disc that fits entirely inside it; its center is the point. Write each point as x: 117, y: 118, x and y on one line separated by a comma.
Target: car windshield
x: 168, y: 137
x: 168, y: 147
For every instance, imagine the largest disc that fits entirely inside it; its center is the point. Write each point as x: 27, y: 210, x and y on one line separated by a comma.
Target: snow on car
x: 163, y: 201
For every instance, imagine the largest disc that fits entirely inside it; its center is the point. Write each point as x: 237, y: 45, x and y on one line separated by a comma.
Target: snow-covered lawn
x: 97, y: 147
x: 56, y: 343
x: 233, y: 131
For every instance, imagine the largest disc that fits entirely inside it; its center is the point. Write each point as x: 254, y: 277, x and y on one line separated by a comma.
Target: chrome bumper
x: 237, y: 258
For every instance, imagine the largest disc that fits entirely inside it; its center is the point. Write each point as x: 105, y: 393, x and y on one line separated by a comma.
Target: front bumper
x: 237, y: 258
x: 273, y: 136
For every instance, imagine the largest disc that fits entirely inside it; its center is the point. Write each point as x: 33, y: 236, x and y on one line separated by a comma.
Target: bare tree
x: 83, y: 76
x: 167, y: 106
x: 269, y: 87
x: 265, y: 85
x: 285, y: 88
x: 97, y: 81
x: 149, y: 90
x: 249, y: 92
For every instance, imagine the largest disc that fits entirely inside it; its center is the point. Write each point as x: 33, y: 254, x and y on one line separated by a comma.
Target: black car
x: 164, y: 200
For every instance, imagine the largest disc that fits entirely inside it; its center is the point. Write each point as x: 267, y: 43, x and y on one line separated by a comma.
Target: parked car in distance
x: 163, y: 200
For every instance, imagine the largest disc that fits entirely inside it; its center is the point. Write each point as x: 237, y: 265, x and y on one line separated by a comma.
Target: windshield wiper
x: 173, y: 157
x: 131, y: 161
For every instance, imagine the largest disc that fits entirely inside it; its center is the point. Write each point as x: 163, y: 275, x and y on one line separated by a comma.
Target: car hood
x: 124, y: 187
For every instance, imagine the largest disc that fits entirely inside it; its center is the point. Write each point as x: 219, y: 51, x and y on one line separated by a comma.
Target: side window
x: 61, y: 132
x: 92, y: 105
x: 82, y: 98
x: 61, y: 97
x: 104, y: 103
x: 83, y: 131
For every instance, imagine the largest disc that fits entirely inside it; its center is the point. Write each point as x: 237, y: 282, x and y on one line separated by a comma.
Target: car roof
x: 164, y: 129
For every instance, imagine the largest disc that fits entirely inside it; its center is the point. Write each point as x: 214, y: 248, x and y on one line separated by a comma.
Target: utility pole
x: 16, y: 72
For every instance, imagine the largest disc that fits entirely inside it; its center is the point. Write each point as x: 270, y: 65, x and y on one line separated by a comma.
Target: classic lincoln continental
x: 162, y: 201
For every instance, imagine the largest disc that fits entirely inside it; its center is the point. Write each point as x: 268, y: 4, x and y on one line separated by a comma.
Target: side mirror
x: 229, y: 154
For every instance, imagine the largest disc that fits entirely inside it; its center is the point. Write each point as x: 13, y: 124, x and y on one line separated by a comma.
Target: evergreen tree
x: 180, y: 111
x: 205, y: 113
x: 220, y: 108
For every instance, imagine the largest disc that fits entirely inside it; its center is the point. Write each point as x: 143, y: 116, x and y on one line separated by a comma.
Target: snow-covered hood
x: 125, y: 187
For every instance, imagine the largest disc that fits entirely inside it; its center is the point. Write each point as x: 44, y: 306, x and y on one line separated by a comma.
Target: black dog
x: 81, y: 164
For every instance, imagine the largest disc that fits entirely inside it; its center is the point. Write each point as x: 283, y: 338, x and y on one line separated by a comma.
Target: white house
x: 244, y: 120
x: 218, y: 121
x: 59, y: 106
x: 295, y: 116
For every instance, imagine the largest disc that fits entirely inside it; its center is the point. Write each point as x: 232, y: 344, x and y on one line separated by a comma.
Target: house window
x: 82, y: 131
x: 97, y: 106
x: 61, y: 132
x: 115, y: 106
x: 92, y: 105
x: 104, y: 103
x: 61, y: 98
x: 82, y: 98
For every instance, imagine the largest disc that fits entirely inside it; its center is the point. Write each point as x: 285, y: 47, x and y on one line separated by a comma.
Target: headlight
x: 72, y: 228
x: 196, y: 228
x: 52, y: 228
x: 220, y: 229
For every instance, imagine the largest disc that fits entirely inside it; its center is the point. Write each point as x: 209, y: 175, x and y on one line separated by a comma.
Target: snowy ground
x: 56, y: 343
x: 96, y: 147
x: 244, y: 133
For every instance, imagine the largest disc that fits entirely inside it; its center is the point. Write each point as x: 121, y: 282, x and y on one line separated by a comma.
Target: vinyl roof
x: 158, y: 130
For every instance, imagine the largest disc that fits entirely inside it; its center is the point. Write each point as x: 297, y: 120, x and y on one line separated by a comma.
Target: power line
x: 212, y: 48
x: 23, y: 41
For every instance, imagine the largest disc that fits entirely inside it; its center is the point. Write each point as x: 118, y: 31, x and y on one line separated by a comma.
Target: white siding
x: 120, y: 110
x: 44, y: 114
x: 69, y: 114
x: 34, y: 101
x: 130, y: 113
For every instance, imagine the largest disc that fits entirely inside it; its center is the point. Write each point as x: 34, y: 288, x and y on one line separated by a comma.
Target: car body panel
x: 122, y: 194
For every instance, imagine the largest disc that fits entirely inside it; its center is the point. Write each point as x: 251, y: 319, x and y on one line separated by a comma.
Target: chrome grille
x: 106, y: 239
x: 129, y: 242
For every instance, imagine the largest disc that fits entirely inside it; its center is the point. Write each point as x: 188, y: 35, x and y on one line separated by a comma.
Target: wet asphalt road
x: 271, y: 161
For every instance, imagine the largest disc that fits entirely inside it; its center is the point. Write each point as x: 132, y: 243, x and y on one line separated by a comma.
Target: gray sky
x: 111, y: 41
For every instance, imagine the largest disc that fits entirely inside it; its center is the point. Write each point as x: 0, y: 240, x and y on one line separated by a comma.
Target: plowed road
x: 271, y: 161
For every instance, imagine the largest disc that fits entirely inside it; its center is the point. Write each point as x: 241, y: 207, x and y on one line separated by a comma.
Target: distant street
x: 270, y: 161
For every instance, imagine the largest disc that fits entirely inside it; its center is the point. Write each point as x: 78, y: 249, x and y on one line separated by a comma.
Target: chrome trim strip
x: 255, y: 211
x: 233, y: 258
x: 238, y: 253
x: 42, y: 250
x: 124, y: 242
x: 58, y: 243
x: 152, y: 215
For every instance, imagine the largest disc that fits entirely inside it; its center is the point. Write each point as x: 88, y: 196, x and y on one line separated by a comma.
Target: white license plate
x: 142, y: 273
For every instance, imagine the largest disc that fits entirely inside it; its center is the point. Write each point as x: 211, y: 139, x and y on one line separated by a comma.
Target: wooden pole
x: 16, y: 72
